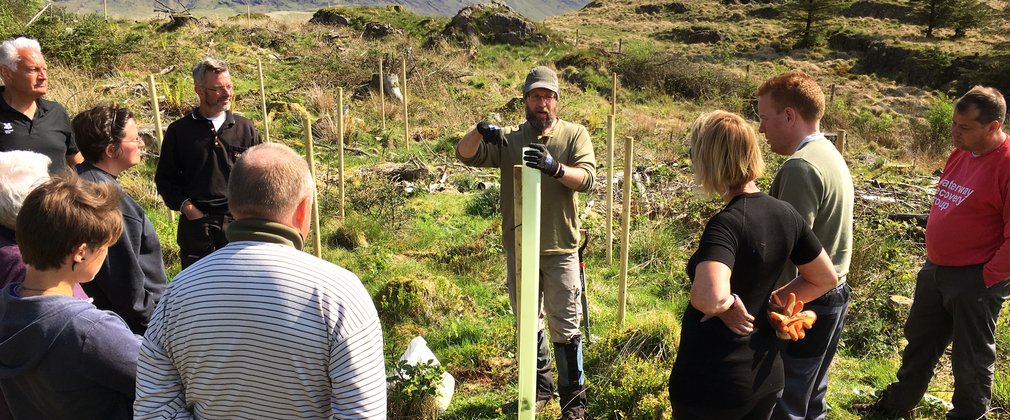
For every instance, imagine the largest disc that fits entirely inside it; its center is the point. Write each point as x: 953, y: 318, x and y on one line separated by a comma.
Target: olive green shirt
x: 569, y: 144
x: 817, y: 182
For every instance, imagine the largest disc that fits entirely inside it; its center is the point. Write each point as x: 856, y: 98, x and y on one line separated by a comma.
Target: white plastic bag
x: 417, y: 352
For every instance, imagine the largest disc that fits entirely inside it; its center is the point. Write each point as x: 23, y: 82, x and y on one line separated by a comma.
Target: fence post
x: 310, y: 157
x: 406, y: 126
x: 382, y: 94
x: 263, y: 102
x: 840, y: 142
x: 629, y: 171
x: 610, y: 189
x: 340, y: 153
x: 155, y: 108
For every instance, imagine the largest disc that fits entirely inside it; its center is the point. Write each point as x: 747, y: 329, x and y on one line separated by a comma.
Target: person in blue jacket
x: 61, y: 357
x: 133, y: 278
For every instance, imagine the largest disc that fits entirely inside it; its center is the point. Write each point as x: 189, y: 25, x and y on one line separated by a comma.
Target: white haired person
x: 20, y: 172
x: 28, y: 122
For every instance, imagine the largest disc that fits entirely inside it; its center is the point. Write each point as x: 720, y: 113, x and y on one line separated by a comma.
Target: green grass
x: 434, y: 263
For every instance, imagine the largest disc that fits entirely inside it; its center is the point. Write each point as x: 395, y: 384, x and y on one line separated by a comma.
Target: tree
x: 933, y: 14
x: 972, y: 14
x: 810, y: 18
x: 958, y: 15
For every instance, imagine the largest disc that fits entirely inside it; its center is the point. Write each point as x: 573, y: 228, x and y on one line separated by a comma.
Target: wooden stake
x: 576, y: 38
x: 840, y: 142
x: 155, y: 109
x: 622, y: 291
x: 620, y: 45
x: 310, y: 157
x: 340, y: 149
x: 263, y: 102
x: 403, y: 88
x: 613, y: 97
x: 610, y: 189
x: 106, y: 4
x: 832, y: 98
x: 382, y: 94
x: 248, y: 13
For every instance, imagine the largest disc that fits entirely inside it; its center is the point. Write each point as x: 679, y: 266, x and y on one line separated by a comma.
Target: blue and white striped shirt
x: 262, y: 330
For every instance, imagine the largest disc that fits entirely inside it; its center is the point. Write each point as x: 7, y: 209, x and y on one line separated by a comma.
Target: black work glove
x: 492, y: 133
x: 538, y: 157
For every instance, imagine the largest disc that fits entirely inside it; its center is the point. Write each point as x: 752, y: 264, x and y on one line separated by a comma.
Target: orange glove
x: 793, y: 321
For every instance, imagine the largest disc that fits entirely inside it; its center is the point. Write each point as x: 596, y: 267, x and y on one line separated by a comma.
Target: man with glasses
x: 563, y: 151
x: 196, y: 159
x: 28, y: 122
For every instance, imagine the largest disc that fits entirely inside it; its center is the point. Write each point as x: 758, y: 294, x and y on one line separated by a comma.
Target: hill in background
x: 134, y: 9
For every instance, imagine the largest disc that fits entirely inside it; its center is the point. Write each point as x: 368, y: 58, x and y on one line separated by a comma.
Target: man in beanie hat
x: 563, y: 151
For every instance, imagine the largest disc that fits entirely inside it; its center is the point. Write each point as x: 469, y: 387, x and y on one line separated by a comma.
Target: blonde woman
x: 727, y: 364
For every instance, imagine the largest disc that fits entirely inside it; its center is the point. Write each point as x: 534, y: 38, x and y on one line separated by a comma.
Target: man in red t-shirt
x: 960, y: 290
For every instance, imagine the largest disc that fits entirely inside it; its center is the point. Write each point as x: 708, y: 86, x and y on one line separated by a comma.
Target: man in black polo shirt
x: 196, y: 160
x: 28, y: 122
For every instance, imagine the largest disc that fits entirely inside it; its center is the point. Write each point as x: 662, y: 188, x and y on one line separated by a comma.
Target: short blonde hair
x: 724, y: 152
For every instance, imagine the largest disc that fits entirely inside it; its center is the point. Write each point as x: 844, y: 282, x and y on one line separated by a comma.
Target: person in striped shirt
x: 260, y: 329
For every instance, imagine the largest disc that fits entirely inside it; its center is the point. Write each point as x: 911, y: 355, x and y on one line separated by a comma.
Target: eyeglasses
x: 543, y: 98
x: 218, y: 89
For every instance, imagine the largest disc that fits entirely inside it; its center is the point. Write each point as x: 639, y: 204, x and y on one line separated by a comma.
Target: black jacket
x: 131, y: 281
x: 196, y: 161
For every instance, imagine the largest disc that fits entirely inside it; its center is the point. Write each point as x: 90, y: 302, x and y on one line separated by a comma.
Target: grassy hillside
x: 137, y: 9
x: 432, y: 260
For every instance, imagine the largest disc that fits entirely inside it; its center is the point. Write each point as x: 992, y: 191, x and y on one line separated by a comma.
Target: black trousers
x: 951, y: 304
x: 198, y: 238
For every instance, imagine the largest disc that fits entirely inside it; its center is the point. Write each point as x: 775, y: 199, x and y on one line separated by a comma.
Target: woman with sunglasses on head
x: 60, y: 357
x: 133, y: 278
x: 727, y: 363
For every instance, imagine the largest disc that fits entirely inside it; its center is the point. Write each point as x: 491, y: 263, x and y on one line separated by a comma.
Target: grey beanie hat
x: 542, y: 77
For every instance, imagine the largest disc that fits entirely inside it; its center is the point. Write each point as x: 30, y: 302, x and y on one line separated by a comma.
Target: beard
x: 538, y: 121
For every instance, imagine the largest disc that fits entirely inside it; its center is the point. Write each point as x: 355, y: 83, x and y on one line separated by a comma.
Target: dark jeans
x: 806, y: 362
x: 759, y: 409
x: 198, y: 238
x: 951, y: 304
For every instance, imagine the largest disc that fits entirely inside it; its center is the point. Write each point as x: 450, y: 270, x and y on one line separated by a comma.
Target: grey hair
x: 20, y: 172
x: 207, y: 64
x: 10, y: 47
x: 268, y: 181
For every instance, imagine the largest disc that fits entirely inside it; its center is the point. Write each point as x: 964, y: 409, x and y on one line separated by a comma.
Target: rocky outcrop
x: 375, y: 30
x: 694, y: 35
x: 655, y: 9
x: 490, y: 23
x: 750, y: 1
x: 766, y: 12
x: 330, y: 16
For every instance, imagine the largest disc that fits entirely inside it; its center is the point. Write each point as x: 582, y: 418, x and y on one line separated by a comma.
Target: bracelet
x: 561, y: 171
